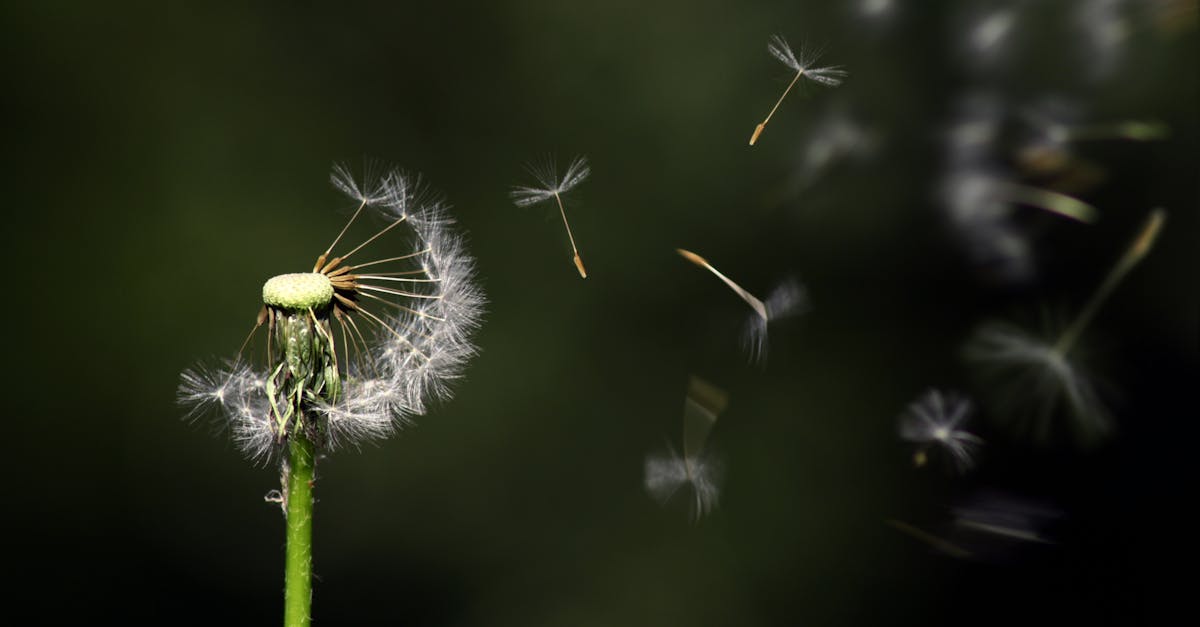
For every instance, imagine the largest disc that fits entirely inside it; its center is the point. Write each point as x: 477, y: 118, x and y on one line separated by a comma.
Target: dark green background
x: 163, y: 161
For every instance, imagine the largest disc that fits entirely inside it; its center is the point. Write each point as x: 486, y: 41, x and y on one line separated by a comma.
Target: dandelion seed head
x: 361, y: 347
x: 1032, y: 382
x: 935, y: 419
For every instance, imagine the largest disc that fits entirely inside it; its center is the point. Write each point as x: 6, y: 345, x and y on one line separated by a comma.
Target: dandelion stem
x: 757, y: 305
x: 574, y: 249
x: 759, y: 129
x: 1137, y: 250
x: 343, y: 231
x: 298, y: 573
x: 374, y: 237
x: 1053, y: 202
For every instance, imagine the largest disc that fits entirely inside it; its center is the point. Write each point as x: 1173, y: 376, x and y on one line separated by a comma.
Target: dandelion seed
x: 1033, y: 377
x: 936, y: 420
x: 696, y: 470
x: 830, y: 76
x: 788, y: 299
x: 550, y: 186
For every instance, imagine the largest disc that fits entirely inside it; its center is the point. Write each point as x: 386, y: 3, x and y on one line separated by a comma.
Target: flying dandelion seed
x: 550, y: 186
x: 880, y: 10
x: 830, y: 76
x: 935, y: 420
x: 1033, y: 378
x: 788, y: 299
x: 696, y: 470
x: 353, y: 351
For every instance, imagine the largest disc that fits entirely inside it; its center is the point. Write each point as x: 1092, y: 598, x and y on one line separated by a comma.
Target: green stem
x: 1137, y: 250
x: 298, y: 576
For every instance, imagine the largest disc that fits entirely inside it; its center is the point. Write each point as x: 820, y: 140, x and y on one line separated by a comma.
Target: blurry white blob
x: 936, y: 420
x: 837, y: 138
x: 1032, y: 379
x: 999, y: 518
x: 1102, y: 28
x: 789, y: 298
x: 696, y: 472
x: 876, y: 9
x: 987, y: 32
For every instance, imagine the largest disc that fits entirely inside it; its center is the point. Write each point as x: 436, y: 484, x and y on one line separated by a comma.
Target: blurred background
x: 164, y: 159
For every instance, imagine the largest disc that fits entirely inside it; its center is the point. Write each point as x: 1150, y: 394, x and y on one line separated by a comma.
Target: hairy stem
x: 298, y: 574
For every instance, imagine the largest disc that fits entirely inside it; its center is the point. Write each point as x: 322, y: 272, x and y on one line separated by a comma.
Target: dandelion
x: 936, y: 420
x: 697, y: 469
x: 788, y: 299
x: 802, y: 65
x: 550, y: 186
x: 354, y: 350
x: 1033, y: 377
